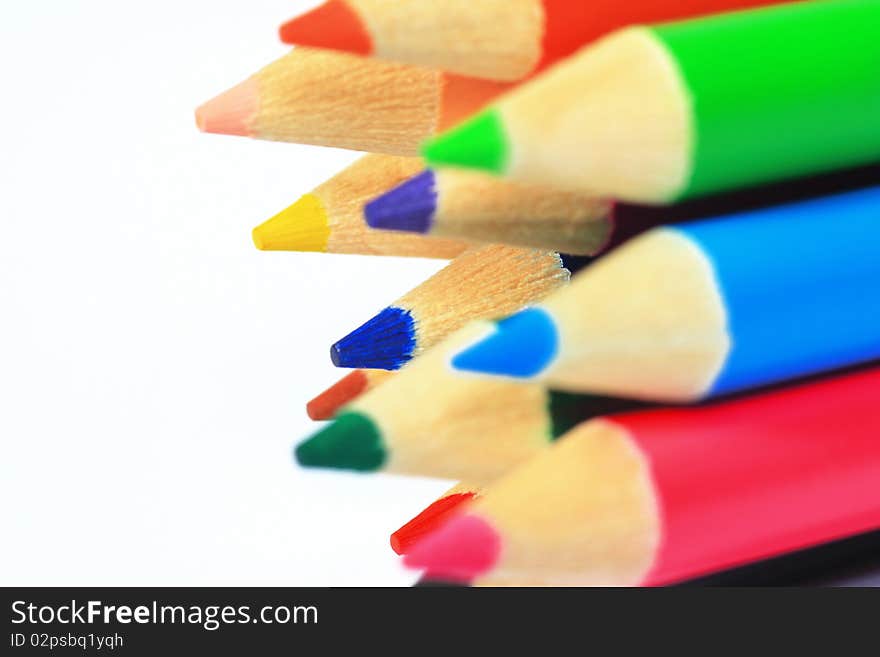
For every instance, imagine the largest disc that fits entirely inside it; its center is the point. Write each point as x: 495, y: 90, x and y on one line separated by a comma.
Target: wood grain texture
x: 344, y: 195
x: 482, y: 283
x: 326, y: 98
x: 498, y: 39
x: 483, y: 208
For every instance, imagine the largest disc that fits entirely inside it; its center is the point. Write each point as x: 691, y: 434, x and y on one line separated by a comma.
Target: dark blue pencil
x: 483, y: 282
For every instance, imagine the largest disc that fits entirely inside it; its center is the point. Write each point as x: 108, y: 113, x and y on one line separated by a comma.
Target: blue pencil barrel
x: 801, y: 284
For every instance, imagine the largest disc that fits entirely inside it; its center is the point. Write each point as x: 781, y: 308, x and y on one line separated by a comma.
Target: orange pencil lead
x: 231, y: 112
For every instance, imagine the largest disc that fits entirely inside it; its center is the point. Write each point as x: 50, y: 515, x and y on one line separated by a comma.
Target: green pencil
x: 663, y: 113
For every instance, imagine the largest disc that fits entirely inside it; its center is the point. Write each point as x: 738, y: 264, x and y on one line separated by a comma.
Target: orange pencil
x: 345, y: 391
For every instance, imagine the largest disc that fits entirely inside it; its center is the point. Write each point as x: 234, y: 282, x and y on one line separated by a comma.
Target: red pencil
x: 661, y: 496
x: 433, y: 516
x: 496, y: 39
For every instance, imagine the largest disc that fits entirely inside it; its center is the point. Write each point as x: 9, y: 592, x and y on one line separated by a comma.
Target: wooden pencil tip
x: 231, y: 112
x: 304, y: 226
x: 332, y: 25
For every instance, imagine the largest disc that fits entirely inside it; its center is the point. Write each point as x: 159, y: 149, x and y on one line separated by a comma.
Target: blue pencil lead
x: 522, y: 346
x: 385, y: 342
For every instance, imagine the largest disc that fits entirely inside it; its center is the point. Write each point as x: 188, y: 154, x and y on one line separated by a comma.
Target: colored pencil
x: 449, y: 203
x: 429, y: 421
x: 343, y: 392
x: 848, y: 562
x: 484, y: 209
x: 329, y: 219
x: 707, y: 308
x: 433, y: 516
x: 457, y: 498
x: 627, y: 222
x: 486, y: 281
x: 661, y: 496
x: 334, y: 99
x: 851, y: 562
x: 497, y: 39
x: 658, y: 114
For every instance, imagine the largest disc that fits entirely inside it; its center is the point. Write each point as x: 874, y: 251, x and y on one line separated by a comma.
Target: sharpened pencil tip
x: 258, y: 238
x: 478, y: 143
x: 333, y: 25
x: 459, y: 551
x: 351, y: 442
x: 522, y: 346
x: 428, y: 521
x: 385, y: 342
x: 336, y: 356
x: 231, y: 112
x: 304, y: 226
x: 408, y: 207
x: 325, y: 405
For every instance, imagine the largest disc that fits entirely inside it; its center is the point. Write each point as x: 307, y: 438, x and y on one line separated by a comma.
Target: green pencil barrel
x: 782, y: 92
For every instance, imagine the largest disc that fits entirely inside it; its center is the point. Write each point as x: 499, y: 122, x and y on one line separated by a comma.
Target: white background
x: 153, y: 364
